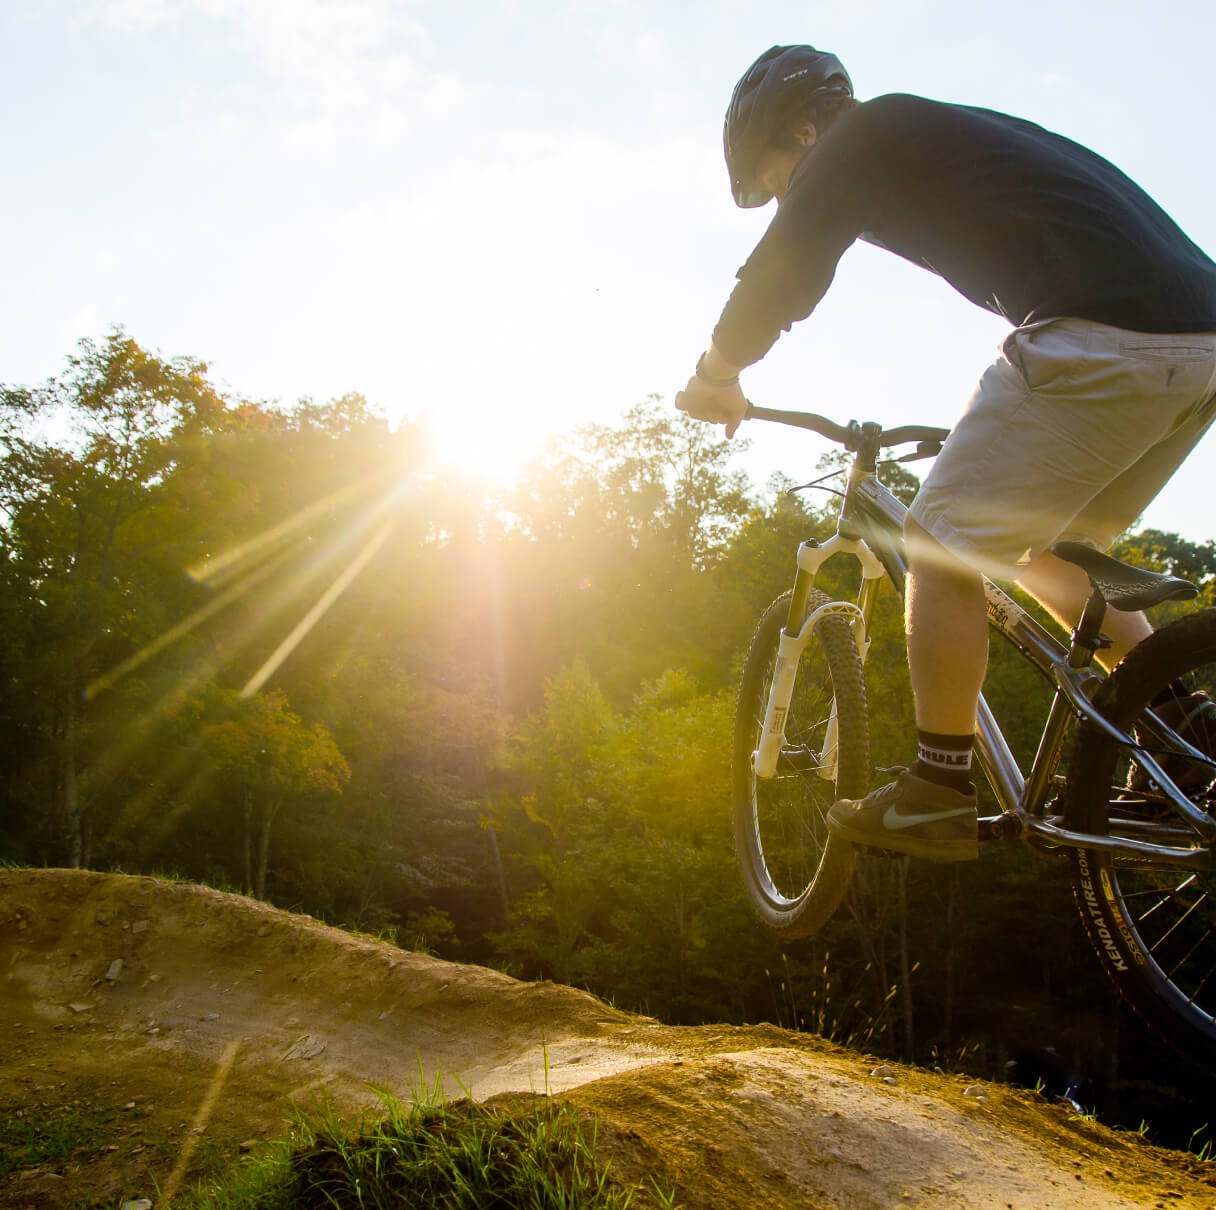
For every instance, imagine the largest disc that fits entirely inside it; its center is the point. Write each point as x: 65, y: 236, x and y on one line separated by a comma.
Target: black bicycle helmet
x: 763, y: 98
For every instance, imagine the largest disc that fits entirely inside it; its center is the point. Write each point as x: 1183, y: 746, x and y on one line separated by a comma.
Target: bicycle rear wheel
x: 794, y: 872
x: 1154, y: 929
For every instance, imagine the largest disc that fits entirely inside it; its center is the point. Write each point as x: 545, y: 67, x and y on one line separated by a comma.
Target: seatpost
x: 1087, y: 638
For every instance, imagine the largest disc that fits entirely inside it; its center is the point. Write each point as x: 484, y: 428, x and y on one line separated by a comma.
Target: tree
x: 1176, y: 556
x: 1169, y: 552
x: 269, y: 758
x: 85, y: 459
x: 558, y: 820
x: 669, y: 858
x: 654, y: 475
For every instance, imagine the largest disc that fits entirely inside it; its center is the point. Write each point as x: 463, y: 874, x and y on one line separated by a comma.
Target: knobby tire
x: 794, y: 872
x: 1154, y: 930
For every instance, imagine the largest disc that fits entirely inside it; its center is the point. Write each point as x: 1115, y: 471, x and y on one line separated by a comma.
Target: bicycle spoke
x: 1177, y: 923
x: 1157, y: 890
x: 1163, y: 900
x: 1130, y: 895
x: 1202, y: 984
x: 1188, y: 955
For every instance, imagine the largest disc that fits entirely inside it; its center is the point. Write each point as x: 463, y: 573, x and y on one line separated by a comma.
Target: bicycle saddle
x: 1122, y: 586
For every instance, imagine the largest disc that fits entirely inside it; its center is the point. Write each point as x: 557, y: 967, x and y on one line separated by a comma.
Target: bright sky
x: 513, y: 214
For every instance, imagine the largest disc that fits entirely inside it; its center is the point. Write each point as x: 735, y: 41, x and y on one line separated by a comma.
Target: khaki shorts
x: 1070, y: 434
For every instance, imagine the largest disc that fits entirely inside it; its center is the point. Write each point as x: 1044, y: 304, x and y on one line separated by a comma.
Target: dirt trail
x: 195, y: 1019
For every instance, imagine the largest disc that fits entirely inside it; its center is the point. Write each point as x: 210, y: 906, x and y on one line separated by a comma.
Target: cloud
x: 345, y: 60
x: 669, y: 107
x: 650, y: 48
x: 137, y: 14
x: 531, y: 188
x: 446, y: 94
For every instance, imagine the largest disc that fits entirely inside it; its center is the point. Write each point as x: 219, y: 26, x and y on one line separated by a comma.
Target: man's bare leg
x: 947, y: 625
x: 1063, y: 588
x: 929, y: 810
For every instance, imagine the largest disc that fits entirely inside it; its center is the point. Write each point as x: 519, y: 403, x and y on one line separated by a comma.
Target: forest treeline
x: 265, y: 647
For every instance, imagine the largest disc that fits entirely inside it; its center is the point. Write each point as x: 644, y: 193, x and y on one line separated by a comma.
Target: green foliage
x: 561, y: 821
x: 265, y: 755
x: 465, y: 1156
x: 1158, y: 551
x: 623, y: 820
x: 656, y: 476
x: 33, y: 1134
x: 527, y: 1154
x: 94, y: 542
x: 613, y: 555
x: 429, y: 930
x: 1169, y: 553
x: 261, y: 744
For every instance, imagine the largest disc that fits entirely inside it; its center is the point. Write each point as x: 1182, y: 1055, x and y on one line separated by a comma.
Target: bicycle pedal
x: 872, y: 850
x: 1000, y: 827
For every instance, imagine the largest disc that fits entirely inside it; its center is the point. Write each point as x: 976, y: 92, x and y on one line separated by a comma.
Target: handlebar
x: 852, y: 434
x: 804, y: 420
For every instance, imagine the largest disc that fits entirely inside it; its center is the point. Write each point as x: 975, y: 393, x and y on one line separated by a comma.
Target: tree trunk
x: 86, y: 835
x: 865, y: 905
x: 502, y: 877
x: 949, y: 972
x: 264, y: 849
x: 905, y: 963
x: 247, y: 883
x: 69, y: 795
x: 682, y: 938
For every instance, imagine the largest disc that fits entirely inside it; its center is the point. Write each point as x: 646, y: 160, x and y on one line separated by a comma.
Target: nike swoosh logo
x: 893, y: 821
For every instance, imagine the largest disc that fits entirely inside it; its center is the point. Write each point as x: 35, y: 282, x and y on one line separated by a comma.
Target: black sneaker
x: 913, y: 816
x: 1194, y: 719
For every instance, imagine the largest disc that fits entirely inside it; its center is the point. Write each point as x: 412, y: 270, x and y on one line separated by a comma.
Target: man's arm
x: 831, y: 199
x: 835, y: 194
x: 713, y: 392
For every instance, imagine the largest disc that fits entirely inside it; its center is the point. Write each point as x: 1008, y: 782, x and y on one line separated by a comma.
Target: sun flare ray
x: 318, y: 611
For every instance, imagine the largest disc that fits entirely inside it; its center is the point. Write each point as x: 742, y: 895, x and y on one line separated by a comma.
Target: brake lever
x: 926, y: 449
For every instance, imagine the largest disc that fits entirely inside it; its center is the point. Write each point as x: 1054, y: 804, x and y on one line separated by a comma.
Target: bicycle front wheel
x: 1154, y: 928
x: 794, y: 872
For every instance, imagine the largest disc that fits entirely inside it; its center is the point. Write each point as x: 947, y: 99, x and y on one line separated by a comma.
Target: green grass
x: 1204, y: 1148
x: 37, y: 1135
x: 531, y: 1153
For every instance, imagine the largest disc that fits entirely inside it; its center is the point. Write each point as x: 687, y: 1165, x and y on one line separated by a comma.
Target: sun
x: 491, y: 444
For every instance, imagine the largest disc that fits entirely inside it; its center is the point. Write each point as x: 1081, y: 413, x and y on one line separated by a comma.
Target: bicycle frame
x: 870, y: 529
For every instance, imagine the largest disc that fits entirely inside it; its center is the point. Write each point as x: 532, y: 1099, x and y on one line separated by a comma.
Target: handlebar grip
x: 802, y: 420
x: 914, y: 432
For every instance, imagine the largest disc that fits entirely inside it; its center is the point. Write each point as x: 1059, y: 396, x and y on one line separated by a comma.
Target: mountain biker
x: 1106, y: 382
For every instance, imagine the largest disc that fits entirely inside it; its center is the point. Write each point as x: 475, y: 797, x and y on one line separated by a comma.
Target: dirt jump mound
x: 172, y: 1024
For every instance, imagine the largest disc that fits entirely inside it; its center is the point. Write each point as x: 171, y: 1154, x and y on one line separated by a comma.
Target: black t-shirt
x: 1021, y: 221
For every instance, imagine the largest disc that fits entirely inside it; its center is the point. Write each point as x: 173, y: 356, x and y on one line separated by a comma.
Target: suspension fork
x: 797, y: 633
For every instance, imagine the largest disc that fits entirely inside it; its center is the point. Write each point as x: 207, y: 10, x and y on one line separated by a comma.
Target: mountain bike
x: 1134, y: 815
